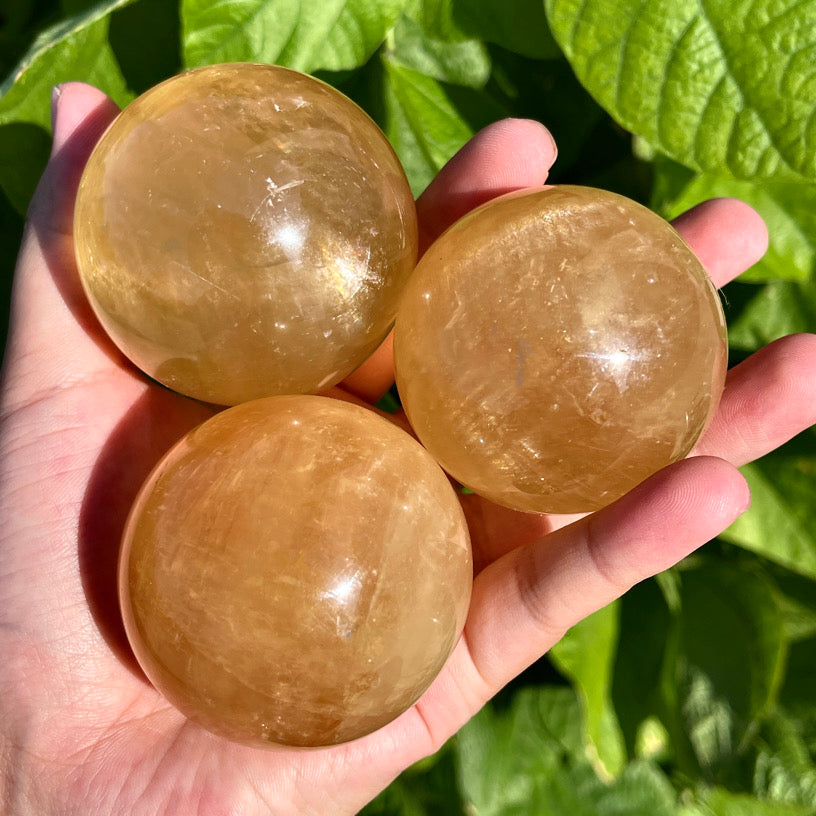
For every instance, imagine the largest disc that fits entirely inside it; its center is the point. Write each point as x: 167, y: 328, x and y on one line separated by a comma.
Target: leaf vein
x: 576, y: 23
x: 721, y: 47
x: 661, y: 91
x: 625, y: 40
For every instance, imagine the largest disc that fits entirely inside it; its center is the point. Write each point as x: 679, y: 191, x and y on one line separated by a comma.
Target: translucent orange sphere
x: 296, y: 570
x: 244, y: 230
x: 555, y: 348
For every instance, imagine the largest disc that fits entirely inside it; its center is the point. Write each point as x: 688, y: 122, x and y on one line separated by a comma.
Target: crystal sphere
x: 556, y: 347
x: 244, y: 230
x: 296, y: 570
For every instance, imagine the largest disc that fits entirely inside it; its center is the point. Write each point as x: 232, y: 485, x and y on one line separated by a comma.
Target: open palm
x: 82, y: 730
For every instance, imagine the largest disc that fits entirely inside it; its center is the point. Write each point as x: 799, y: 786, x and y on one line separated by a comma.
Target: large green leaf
x: 463, y: 62
x: 531, y: 759
x: 501, y: 756
x: 308, y: 35
x: 586, y: 654
x: 19, y: 22
x: 789, y: 211
x: 724, y: 86
x: 731, y: 659
x: 421, y: 122
x: 773, y: 311
x: 76, y: 48
x: 781, y: 524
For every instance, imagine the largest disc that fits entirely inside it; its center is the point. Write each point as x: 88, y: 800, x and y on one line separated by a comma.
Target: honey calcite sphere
x: 554, y: 348
x: 244, y: 230
x: 296, y: 570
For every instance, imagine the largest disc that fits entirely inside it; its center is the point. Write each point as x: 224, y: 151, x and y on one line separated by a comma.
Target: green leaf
x: 74, y: 48
x: 775, y: 310
x: 421, y: 122
x: 785, y: 769
x: 517, y: 25
x: 122, y: 47
x: 789, y: 211
x: 307, y: 35
x: 586, y: 654
x: 722, y: 87
x: 461, y: 63
x: 721, y: 802
x: 781, y: 525
x: 19, y: 20
x: 731, y: 659
x: 642, y: 790
x: 425, y: 789
x: 638, y: 666
x: 530, y: 758
x: 501, y: 756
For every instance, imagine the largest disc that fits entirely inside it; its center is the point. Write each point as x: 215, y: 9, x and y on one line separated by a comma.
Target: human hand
x: 83, y: 732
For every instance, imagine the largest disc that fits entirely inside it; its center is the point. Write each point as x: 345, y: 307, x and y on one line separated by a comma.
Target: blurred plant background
x: 695, y: 693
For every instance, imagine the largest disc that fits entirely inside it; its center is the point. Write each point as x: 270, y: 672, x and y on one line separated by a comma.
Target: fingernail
x: 552, y: 142
x: 745, y: 504
x: 56, y: 92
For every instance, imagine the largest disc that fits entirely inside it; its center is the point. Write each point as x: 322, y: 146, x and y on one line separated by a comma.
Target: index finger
x: 505, y: 156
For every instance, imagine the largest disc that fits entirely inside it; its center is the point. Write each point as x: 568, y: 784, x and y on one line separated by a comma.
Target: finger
x: 52, y: 331
x: 496, y: 530
x: 726, y: 235
x: 80, y: 114
x: 508, y: 155
x: 768, y: 399
x: 375, y: 376
x: 524, y: 602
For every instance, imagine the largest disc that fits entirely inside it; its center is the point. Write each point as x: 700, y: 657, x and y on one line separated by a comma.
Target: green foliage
x: 781, y: 525
x: 788, y: 209
x: 727, y: 666
x: 724, y: 87
x: 586, y: 655
x: 693, y: 694
x: 304, y: 34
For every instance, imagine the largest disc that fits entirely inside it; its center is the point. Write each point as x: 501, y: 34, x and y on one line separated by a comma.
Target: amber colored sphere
x: 296, y: 570
x: 244, y: 230
x: 555, y: 348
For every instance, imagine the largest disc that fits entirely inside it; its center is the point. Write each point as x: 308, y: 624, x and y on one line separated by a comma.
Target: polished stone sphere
x: 296, y: 570
x: 555, y: 348
x: 244, y: 230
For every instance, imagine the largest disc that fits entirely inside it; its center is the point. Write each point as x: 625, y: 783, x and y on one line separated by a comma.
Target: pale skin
x: 83, y: 732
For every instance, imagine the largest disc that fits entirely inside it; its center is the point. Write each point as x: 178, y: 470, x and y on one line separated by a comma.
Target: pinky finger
x: 525, y: 601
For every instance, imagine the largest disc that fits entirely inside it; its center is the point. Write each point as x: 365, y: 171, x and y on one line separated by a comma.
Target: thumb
x: 79, y: 116
x: 52, y: 330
